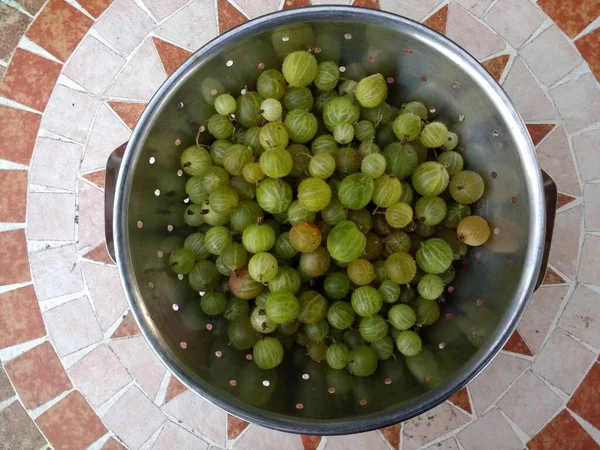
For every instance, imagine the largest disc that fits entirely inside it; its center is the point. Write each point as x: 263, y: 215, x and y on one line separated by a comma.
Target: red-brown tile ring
x: 516, y: 344
x: 572, y: 17
x: 589, y: 47
x: 112, y: 444
x: 170, y: 55
x: 235, y: 426
x: 19, y: 131
x: 14, y: 263
x: 367, y: 3
x: 552, y: 277
x: 20, y: 317
x: 14, y: 24
x: 95, y: 7
x: 586, y: 399
x: 174, y: 388
x: 128, y: 112
x: 496, y: 66
x: 564, y: 433
x: 392, y: 435
x: 539, y: 131
x: 438, y: 20
x: 461, y: 399
x: 13, y: 185
x: 229, y: 16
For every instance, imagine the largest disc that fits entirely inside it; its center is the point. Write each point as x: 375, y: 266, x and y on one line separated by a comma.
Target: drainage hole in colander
x: 342, y: 69
x: 261, y: 66
x: 232, y: 383
x: 371, y: 58
x: 179, y: 172
x: 266, y: 383
x: 455, y: 84
x: 218, y: 353
x: 140, y: 224
x: 159, y: 254
x: 180, y: 277
x: 285, y: 38
x: 496, y: 231
x: 229, y: 63
x: 442, y: 345
x: 177, y: 142
x: 169, y: 228
x: 183, y: 345
x: 152, y: 160
x: 363, y: 402
x: 331, y: 390
x: 151, y: 285
x: 388, y: 381
x: 495, y: 133
x: 348, y: 36
x: 305, y: 376
x: 157, y: 192
x: 186, y: 200
x: 175, y: 307
x: 299, y: 406
x: 461, y: 118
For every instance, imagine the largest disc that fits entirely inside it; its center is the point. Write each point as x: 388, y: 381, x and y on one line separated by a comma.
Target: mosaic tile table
x: 76, y: 372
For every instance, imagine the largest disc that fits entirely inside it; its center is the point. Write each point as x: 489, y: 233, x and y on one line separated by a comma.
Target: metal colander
x: 301, y: 396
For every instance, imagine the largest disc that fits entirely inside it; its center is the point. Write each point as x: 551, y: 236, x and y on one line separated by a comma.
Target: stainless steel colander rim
x: 532, y: 259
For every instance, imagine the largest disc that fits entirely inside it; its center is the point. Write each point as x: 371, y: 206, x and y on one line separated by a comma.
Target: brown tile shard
x: 438, y: 20
x: 14, y: 24
x: 127, y: 328
x: 229, y: 16
x: 516, y: 344
x: 113, y: 444
x: 539, y: 131
x: 552, y: 277
x: 95, y: 7
x: 100, y: 254
x: 367, y: 3
x: 235, y: 426
x: 392, y: 434
x: 564, y: 199
x: 96, y: 177
x: 461, y: 399
x: 14, y: 262
x: 13, y: 186
x: 20, y: 317
x: 17, y: 430
x: 170, y: 55
x: 496, y: 66
x: 571, y: 16
x: 589, y: 47
x: 19, y: 131
x: 586, y: 399
x: 564, y: 433
x: 128, y: 112
x: 174, y: 388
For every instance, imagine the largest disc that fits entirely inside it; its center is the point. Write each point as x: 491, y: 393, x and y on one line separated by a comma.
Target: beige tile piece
x: 526, y: 95
x: 565, y: 241
x: 370, y: 440
x: 515, y: 20
x: 256, y: 9
x: 91, y: 215
x: 56, y: 272
x: 413, y: 9
x: 432, y: 425
x: 461, y: 27
x: 99, y: 375
x: 475, y: 7
x: 173, y: 437
x: 550, y: 56
x: 129, y: 85
x: 93, y: 66
x: 141, y: 362
x: 530, y: 403
x: 581, y: 316
x: 160, y: 9
x: 192, y: 27
x: 563, y: 361
x: 589, y: 264
x: 591, y: 200
x: 106, y: 292
x: 539, y: 315
x: 587, y: 153
x: 55, y: 164
x: 578, y: 102
x: 448, y: 444
x: 265, y: 439
x: 495, y: 379
x: 134, y: 418
x: 491, y: 431
x: 72, y: 326
x: 50, y: 216
x: 208, y: 420
x: 555, y: 158
x: 69, y: 113
x: 124, y: 25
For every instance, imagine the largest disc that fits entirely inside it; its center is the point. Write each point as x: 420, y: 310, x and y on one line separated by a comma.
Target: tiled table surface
x: 75, y: 371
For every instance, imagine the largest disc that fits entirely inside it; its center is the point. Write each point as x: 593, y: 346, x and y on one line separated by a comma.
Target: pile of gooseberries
x: 335, y: 218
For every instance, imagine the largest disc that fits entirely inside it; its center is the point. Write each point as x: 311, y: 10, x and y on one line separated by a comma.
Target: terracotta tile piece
x: 392, y: 434
x: 17, y: 430
x: 438, y: 20
x: 6, y: 389
x: 98, y: 178
x: 235, y: 426
x: 14, y: 24
x: 367, y: 3
x: 95, y: 7
x: 563, y: 199
x: 586, y: 400
x: 288, y: 4
x: 564, y: 433
x: 71, y: 423
x: 127, y: 328
x: 170, y: 55
x: 516, y: 344
x: 14, y: 265
x: 30, y: 79
x: 59, y: 28
x: 20, y: 317
x: 100, y: 254
x: 19, y: 130
x: 174, y: 388
x: 496, y: 65
x: 38, y: 375
x: 589, y: 47
x: 572, y: 18
x: 461, y: 399
x: 539, y: 131
x: 128, y: 112
x: 552, y: 277
x: 31, y: 6
x: 13, y: 185
x: 229, y: 16
x: 112, y: 444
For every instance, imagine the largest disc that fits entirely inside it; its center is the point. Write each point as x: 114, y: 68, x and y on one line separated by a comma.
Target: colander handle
x: 551, y: 199
x: 113, y: 165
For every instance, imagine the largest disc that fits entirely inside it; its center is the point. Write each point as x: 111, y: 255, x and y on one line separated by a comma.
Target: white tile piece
x: 591, y: 200
x: 370, y: 440
x: 134, y: 418
x: 93, y: 66
x: 50, y: 216
x: 141, y: 362
x: 207, y: 420
x: 161, y: 9
x: 173, y: 437
x: 99, y: 375
x: 130, y: 86
x: 192, y: 27
x: 106, y: 292
x: 587, y: 153
x: 494, y: 380
x: 448, y: 444
x: 530, y: 403
x: 69, y: 113
x: 539, y: 315
x: 581, y: 316
x: 555, y: 158
x: 515, y: 20
x: 491, y: 431
x: 72, y: 326
x: 91, y: 215
x: 475, y: 7
x: 413, y: 9
x: 461, y: 27
x: 256, y: 9
x: 550, y: 56
x: 563, y: 361
x: 589, y: 264
x: 578, y: 102
x: 526, y: 95
x: 56, y: 272
x: 55, y: 164
x: 124, y: 25
x: 261, y: 438
x: 431, y: 425
x: 565, y: 240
